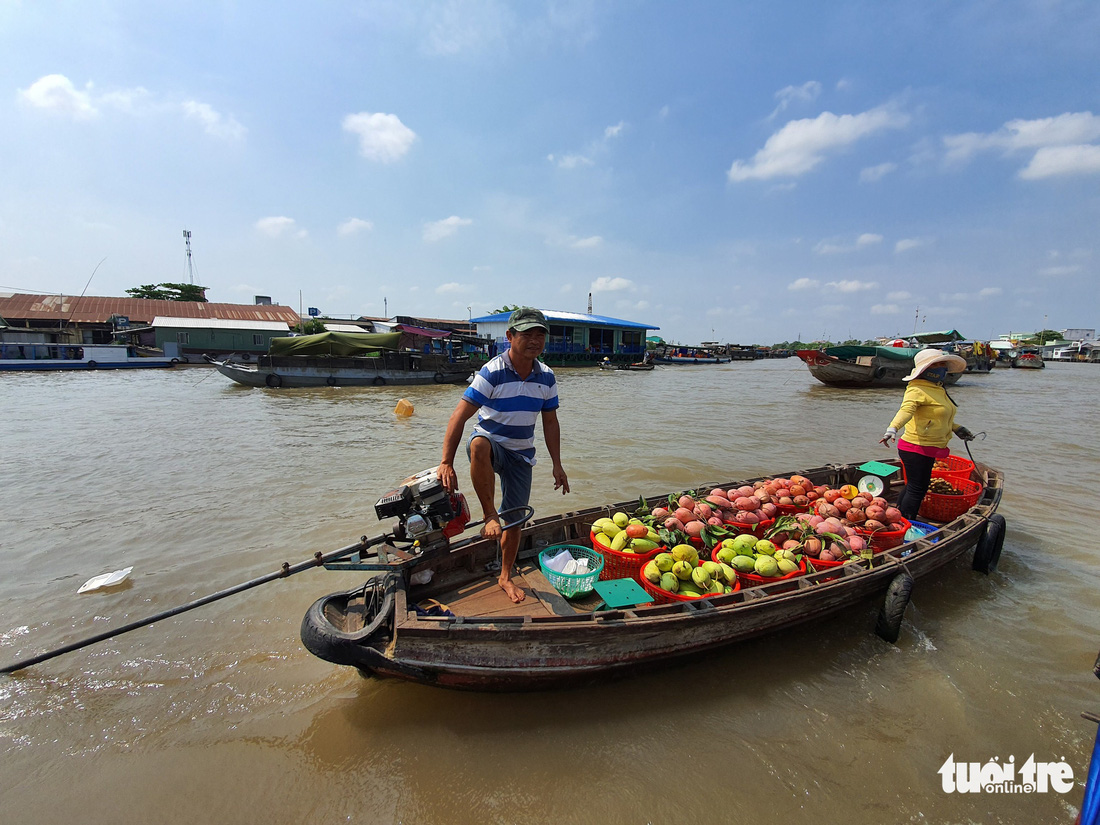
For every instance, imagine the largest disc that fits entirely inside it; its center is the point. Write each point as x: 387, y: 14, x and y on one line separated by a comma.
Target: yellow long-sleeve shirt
x: 927, y: 413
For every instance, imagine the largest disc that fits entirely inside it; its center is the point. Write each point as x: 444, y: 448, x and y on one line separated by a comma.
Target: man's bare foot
x: 511, y: 588
x: 491, y: 528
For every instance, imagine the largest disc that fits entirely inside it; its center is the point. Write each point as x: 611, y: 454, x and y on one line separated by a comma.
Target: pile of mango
x: 679, y: 571
x: 626, y: 535
x: 748, y: 554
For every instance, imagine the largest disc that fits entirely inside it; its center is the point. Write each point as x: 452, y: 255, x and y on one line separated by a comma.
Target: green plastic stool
x: 618, y: 593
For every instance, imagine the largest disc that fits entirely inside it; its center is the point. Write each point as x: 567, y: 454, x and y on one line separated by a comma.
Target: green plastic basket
x: 571, y: 584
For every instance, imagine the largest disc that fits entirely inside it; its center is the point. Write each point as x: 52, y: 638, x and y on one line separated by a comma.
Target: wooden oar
x: 318, y: 560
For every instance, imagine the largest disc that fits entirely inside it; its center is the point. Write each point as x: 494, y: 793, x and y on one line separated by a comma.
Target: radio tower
x: 187, y: 243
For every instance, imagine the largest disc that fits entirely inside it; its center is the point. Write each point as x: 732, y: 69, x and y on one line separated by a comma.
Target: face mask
x: 935, y: 375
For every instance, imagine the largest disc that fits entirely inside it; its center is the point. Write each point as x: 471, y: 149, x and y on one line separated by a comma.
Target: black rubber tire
x: 379, y: 381
x: 331, y: 381
x: 92, y: 365
x: 174, y: 361
x: 988, y: 549
x: 273, y: 380
x: 888, y: 626
x: 880, y: 373
x: 439, y: 378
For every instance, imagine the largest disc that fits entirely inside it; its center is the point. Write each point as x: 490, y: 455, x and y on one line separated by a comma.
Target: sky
x: 732, y: 171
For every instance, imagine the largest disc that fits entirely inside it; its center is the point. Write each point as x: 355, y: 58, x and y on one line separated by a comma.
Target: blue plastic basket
x: 920, y: 529
x: 568, y: 584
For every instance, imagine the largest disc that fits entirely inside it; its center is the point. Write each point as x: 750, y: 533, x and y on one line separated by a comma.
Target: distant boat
x: 687, y: 355
x: 344, y: 359
x: 1028, y: 358
x: 861, y: 366
x: 38, y: 357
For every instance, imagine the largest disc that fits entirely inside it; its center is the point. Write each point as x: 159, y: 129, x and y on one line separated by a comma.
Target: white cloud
x: 905, y: 244
x: 585, y: 243
x: 213, y: 123
x: 802, y: 144
x: 1063, y: 160
x: 438, y: 230
x: 277, y: 227
x: 802, y: 283
x: 452, y: 289
x: 606, y: 284
x: 871, y: 174
x: 834, y: 248
x: 898, y: 296
x: 126, y: 100
x: 885, y: 309
x: 851, y: 286
x: 571, y: 161
x: 805, y: 93
x: 613, y: 131
x: 353, y: 226
x: 55, y: 92
x: 1060, y: 271
x: 383, y: 138
x: 1064, y: 130
x: 663, y: 112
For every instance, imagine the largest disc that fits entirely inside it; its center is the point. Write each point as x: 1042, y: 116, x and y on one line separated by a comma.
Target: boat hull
x: 879, y: 372
x: 57, y: 357
x: 301, y: 371
x: 519, y: 653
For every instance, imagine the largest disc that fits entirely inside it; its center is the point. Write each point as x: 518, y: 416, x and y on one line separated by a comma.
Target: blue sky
x: 733, y: 171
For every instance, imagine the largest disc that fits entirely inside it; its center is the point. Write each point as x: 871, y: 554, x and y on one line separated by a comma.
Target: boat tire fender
x: 379, y: 381
x: 898, y: 593
x: 988, y: 550
x: 92, y: 365
x: 880, y: 373
x: 331, y: 381
x: 273, y: 380
x: 439, y: 378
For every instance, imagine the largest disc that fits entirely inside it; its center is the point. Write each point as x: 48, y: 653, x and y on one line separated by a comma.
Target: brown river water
x: 220, y: 715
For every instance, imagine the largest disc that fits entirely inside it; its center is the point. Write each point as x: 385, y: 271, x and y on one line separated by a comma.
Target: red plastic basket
x: 662, y: 596
x: 617, y: 565
x: 752, y: 580
x: 957, y: 467
x: 886, y: 539
x: 791, y: 509
x: 944, y: 508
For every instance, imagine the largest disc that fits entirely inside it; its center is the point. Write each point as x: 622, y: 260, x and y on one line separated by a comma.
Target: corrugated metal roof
x: 96, y: 310
x: 574, y: 317
x: 221, y: 323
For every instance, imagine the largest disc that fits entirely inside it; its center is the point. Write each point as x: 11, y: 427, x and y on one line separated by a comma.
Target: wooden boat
x: 40, y: 357
x: 1028, y: 358
x: 860, y: 366
x: 548, y: 642
x: 344, y: 360
x: 638, y: 366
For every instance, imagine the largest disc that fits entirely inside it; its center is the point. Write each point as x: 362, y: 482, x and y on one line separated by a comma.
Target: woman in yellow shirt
x: 928, y: 415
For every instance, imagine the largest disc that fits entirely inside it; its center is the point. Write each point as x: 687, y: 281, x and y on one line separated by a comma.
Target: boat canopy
x: 336, y: 343
x: 893, y: 353
x: 938, y: 337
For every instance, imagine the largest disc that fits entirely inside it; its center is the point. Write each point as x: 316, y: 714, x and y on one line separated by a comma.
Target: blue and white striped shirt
x: 508, y: 405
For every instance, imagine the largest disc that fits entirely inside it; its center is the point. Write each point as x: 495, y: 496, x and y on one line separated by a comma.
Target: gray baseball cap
x: 526, y: 318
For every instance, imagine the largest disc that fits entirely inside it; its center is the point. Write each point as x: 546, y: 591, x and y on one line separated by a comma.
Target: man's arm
x: 451, y: 440
x: 551, y: 432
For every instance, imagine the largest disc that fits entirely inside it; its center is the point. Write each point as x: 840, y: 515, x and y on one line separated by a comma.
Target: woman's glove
x: 964, y: 434
x: 891, y: 434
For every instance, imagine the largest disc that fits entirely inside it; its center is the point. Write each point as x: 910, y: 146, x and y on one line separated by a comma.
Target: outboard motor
x: 427, y: 514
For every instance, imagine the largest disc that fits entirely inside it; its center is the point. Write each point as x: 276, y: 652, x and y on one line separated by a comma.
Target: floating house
x: 575, y: 339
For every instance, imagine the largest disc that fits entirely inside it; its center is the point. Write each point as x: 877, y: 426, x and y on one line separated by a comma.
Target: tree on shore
x: 169, y: 292
x: 505, y: 308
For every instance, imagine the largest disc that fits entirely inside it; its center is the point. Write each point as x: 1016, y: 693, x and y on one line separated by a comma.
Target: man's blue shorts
x: 515, y: 475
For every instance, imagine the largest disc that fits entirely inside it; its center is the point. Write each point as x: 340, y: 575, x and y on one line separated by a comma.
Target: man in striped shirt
x: 508, y: 393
